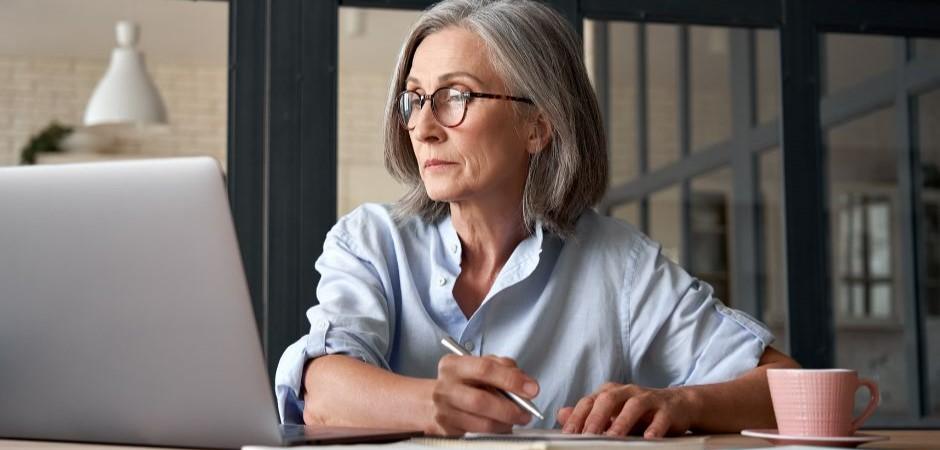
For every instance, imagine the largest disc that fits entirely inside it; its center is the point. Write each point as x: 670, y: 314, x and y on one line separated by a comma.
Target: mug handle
x: 872, y: 403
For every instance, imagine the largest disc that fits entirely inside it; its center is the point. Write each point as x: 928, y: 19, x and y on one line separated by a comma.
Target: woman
x: 493, y: 124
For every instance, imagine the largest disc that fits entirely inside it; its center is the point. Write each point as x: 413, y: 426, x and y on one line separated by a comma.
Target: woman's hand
x: 465, y: 397
x: 619, y: 409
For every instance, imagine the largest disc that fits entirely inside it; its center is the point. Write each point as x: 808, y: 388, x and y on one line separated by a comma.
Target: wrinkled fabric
x: 603, y: 305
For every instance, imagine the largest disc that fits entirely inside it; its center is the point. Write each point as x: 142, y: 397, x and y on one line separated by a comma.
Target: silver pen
x: 457, y: 349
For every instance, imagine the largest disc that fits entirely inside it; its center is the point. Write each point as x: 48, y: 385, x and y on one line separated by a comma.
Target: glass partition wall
x: 369, y: 41
x: 808, y: 200
x: 877, y: 116
x: 926, y: 116
x: 692, y: 114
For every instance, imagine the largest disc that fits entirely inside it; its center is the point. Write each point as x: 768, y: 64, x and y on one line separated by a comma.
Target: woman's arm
x: 344, y: 391
x: 740, y: 403
x: 712, y: 408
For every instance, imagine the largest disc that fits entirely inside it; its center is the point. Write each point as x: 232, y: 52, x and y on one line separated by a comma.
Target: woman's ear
x: 540, y: 134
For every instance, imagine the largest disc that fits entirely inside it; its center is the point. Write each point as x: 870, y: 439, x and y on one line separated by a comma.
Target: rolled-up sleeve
x: 352, y: 318
x: 680, y: 334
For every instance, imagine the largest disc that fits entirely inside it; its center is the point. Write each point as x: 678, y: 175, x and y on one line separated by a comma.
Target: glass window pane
x: 773, y: 281
x: 862, y: 173
x: 855, y: 207
x: 622, y: 101
x: 50, y: 67
x: 879, y: 239
x: 665, y: 222
x: 881, y: 300
x: 627, y: 212
x: 710, y: 229
x: 710, y: 85
x: 928, y: 133
x: 858, y: 308
x: 926, y: 48
x: 862, y: 169
x: 662, y: 70
x: 369, y: 42
x: 853, y: 58
x: 768, y: 75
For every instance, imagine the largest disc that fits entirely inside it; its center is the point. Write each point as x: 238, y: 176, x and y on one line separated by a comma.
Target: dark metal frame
x: 282, y: 148
x: 282, y: 154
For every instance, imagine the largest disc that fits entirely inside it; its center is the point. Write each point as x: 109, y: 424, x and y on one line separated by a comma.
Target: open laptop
x: 125, y: 315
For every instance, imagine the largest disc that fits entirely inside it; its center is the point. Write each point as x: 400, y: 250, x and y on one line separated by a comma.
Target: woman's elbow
x: 775, y: 359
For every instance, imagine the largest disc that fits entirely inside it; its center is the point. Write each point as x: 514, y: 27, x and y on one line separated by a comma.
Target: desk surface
x: 900, y: 439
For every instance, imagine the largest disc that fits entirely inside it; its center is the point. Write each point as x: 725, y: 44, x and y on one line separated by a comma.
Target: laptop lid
x: 124, y: 310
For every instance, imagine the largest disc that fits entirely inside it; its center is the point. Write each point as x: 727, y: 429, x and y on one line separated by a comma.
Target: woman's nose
x: 426, y: 127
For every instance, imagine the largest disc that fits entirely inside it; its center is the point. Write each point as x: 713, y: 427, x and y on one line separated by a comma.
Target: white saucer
x: 843, y: 441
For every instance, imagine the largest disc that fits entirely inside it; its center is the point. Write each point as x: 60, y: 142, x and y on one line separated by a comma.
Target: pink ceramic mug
x: 818, y: 402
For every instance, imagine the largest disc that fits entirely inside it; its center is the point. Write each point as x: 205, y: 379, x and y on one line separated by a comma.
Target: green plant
x: 47, y: 140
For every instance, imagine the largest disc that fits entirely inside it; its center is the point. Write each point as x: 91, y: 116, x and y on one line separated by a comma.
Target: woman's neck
x: 488, y: 234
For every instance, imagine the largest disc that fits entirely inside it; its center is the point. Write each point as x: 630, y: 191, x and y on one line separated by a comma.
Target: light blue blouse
x: 603, y: 305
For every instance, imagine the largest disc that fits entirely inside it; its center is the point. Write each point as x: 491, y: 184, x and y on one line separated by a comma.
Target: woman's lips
x: 436, y: 163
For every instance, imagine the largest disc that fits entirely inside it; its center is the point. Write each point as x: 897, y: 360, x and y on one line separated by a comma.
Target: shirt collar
x: 445, y: 228
x: 522, y: 262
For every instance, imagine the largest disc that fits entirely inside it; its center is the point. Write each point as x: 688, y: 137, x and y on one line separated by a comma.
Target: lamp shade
x: 126, y: 94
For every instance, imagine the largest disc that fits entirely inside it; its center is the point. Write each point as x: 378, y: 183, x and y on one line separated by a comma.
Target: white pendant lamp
x: 126, y: 94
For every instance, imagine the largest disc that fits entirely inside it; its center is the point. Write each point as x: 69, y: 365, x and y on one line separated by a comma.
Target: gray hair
x: 539, y: 56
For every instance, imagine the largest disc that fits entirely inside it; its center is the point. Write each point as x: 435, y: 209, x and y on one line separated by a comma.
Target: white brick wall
x: 36, y: 91
x: 361, y: 175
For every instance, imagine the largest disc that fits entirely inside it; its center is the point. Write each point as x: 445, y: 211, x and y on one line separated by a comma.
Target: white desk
x: 900, y: 439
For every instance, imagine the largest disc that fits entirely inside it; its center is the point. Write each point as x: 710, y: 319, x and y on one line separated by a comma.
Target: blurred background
x: 694, y: 122
x: 53, y: 53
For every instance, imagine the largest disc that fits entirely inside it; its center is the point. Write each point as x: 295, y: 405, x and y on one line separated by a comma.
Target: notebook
x: 529, y: 440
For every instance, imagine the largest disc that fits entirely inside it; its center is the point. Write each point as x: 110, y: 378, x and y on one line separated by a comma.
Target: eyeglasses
x: 448, y: 105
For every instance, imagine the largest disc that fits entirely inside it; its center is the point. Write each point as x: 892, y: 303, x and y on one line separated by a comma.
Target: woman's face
x: 486, y: 156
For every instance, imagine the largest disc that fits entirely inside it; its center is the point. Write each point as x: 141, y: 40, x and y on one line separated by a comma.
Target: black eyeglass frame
x: 467, y: 96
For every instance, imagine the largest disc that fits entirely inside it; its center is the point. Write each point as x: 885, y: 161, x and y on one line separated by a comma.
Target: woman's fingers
x: 502, y: 360
x: 659, y: 426
x: 563, y: 414
x: 466, y: 397
x: 456, y: 423
x: 633, y: 410
x: 483, y: 403
x: 581, y: 410
x: 593, y: 414
x: 607, y: 404
x: 622, y: 409
x: 487, y: 371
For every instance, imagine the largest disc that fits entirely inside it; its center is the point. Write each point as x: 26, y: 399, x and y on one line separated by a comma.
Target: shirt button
x: 455, y: 248
x: 468, y: 345
x: 441, y: 281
